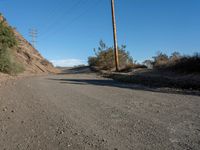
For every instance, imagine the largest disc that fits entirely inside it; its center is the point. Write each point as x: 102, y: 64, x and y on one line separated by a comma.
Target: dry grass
x: 186, y: 64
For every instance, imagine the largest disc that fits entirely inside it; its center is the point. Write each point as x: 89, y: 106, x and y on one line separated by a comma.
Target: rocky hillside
x: 29, y: 57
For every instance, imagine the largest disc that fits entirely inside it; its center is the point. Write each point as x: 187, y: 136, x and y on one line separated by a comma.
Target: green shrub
x: 8, y: 64
x: 92, y: 61
x: 5, y: 61
x: 16, y: 68
x: 105, y: 58
x: 7, y: 37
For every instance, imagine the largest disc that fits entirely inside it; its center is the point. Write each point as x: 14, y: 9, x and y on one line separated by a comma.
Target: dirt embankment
x: 25, y: 54
x: 157, y: 79
x: 31, y: 59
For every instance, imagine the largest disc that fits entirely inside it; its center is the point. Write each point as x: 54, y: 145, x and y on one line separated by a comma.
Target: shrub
x: 8, y: 41
x: 5, y: 61
x: 7, y: 37
x: 8, y: 64
x: 92, y: 61
x: 105, y: 58
x: 160, y: 60
x: 177, y: 63
x: 186, y: 64
x: 175, y: 56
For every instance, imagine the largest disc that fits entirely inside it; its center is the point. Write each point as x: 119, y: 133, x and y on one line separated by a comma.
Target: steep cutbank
x: 25, y: 54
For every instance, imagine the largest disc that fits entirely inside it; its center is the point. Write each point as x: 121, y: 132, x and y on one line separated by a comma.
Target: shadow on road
x: 112, y: 83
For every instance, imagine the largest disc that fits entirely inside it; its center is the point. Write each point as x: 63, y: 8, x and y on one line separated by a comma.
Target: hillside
x: 25, y: 54
x: 31, y: 58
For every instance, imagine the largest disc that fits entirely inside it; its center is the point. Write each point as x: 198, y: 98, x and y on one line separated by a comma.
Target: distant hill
x: 28, y: 56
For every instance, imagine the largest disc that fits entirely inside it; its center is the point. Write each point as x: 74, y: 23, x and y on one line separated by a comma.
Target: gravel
x: 85, y: 111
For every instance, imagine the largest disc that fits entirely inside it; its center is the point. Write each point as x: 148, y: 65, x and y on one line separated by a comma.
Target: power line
x: 76, y: 18
x: 33, y: 34
x: 60, y: 18
x: 50, y: 14
x: 54, y: 9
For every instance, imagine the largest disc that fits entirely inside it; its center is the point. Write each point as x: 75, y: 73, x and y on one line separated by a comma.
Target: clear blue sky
x: 68, y: 30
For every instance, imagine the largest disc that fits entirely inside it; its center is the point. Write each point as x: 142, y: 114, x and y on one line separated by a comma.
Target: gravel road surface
x: 87, y: 112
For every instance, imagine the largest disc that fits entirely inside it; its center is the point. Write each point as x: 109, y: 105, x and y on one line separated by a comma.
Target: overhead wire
x: 52, y: 12
x: 56, y: 22
x: 75, y: 19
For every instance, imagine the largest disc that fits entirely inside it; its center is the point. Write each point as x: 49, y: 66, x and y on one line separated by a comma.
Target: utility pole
x: 115, y: 35
x: 33, y: 34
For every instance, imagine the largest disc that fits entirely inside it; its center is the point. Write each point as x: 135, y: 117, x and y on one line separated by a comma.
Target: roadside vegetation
x: 8, y: 42
x: 104, y: 58
x: 175, y: 63
x: 173, y: 71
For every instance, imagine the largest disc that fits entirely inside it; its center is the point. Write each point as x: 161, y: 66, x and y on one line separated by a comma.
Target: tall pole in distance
x: 115, y: 35
x: 33, y: 34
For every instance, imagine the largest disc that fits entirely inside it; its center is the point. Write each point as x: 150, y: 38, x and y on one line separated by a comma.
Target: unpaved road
x: 86, y: 112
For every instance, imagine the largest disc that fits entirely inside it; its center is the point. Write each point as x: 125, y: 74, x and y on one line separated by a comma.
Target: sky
x: 69, y: 30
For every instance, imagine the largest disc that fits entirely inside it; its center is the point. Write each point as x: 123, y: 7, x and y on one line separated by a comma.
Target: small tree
x: 92, y: 61
x: 104, y: 58
x: 175, y: 56
x: 160, y: 59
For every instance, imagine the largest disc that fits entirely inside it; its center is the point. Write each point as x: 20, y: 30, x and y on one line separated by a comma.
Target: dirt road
x: 86, y: 112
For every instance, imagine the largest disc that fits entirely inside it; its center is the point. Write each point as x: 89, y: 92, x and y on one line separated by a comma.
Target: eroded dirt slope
x: 29, y: 57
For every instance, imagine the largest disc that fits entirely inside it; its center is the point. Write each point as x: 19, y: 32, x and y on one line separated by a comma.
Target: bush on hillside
x: 176, y: 63
x: 5, y: 62
x: 8, y: 63
x: 105, y: 58
x: 160, y: 60
x: 185, y: 64
x: 175, y: 56
x: 7, y: 37
x: 8, y: 42
x: 92, y: 61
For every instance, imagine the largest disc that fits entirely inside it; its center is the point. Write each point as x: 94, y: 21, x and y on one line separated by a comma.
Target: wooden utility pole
x: 115, y: 35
